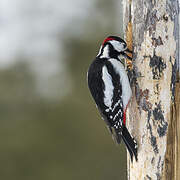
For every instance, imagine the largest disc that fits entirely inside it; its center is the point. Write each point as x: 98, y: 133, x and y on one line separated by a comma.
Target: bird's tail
x: 130, y: 142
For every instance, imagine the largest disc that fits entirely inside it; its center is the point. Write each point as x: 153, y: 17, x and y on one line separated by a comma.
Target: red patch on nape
x: 107, y: 39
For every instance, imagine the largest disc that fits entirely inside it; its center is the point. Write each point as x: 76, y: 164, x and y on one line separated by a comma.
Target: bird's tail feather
x: 130, y: 142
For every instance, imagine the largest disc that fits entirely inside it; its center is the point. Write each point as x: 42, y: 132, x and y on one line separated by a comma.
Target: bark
x: 152, y: 31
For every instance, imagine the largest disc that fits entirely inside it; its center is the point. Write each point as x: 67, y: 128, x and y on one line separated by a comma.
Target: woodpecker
x: 109, y: 86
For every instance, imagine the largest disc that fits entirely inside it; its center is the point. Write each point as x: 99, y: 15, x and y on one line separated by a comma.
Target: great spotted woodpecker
x: 109, y: 85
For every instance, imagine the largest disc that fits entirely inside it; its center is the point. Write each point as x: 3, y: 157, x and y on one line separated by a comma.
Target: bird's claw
x: 129, y: 65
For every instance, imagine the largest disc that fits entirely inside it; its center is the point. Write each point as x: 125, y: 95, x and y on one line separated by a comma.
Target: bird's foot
x: 129, y: 65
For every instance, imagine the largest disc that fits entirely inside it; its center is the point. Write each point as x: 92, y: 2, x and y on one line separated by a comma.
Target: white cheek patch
x: 118, y: 46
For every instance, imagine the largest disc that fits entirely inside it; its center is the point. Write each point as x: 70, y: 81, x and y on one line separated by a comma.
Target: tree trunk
x: 152, y: 30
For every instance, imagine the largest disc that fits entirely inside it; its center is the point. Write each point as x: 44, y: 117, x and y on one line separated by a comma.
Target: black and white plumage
x: 109, y: 85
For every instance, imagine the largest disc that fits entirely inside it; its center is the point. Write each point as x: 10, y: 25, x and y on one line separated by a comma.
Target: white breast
x: 126, y: 89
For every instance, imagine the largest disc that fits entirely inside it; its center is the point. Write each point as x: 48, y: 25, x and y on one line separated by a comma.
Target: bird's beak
x: 124, y: 53
x: 128, y: 51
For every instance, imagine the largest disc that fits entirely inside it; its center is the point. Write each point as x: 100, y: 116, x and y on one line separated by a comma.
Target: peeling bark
x: 152, y: 31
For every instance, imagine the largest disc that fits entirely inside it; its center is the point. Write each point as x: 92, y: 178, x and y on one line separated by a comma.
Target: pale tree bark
x: 152, y: 31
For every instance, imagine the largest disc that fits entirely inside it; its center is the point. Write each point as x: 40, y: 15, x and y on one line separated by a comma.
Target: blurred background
x: 49, y: 126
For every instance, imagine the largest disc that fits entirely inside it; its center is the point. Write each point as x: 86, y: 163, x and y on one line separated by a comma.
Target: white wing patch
x: 109, y: 88
x: 126, y: 89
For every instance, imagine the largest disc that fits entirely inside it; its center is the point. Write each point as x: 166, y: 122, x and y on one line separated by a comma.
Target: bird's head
x: 112, y: 47
x: 117, y: 43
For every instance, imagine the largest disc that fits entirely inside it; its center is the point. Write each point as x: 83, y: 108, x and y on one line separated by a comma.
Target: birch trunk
x: 152, y: 30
